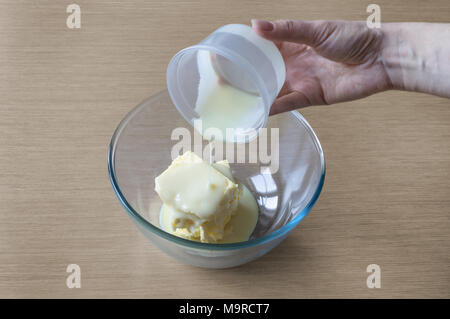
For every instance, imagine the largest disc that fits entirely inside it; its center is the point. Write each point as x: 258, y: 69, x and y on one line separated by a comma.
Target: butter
x: 199, y: 199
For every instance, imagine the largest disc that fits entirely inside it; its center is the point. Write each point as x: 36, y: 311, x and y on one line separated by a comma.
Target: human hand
x: 326, y: 61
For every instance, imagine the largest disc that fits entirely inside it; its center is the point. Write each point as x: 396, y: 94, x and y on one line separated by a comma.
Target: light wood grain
x: 62, y: 93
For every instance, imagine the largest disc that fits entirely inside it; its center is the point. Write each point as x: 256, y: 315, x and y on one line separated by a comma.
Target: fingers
x: 305, y: 32
x: 289, y: 102
x: 351, y: 42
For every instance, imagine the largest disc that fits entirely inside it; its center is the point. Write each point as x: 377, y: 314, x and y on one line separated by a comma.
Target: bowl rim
x: 199, y: 245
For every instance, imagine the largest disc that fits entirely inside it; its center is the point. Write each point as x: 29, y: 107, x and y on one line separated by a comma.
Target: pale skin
x: 329, y: 62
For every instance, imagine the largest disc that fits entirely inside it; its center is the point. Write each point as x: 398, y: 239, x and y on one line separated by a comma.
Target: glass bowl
x: 141, y: 149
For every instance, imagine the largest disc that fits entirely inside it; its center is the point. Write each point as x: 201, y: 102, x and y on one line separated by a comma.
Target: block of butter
x: 199, y: 198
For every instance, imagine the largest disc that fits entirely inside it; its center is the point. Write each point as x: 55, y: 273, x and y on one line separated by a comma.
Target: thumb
x: 289, y: 102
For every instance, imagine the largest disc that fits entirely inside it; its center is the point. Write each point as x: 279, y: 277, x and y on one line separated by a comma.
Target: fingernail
x: 262, y: 25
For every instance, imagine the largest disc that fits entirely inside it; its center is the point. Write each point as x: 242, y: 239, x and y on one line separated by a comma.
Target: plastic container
x: 238, y: 56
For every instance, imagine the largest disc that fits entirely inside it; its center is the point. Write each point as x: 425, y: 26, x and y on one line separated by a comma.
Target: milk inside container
x: 228, y: 81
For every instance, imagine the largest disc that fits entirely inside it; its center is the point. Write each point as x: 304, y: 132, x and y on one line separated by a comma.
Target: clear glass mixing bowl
x: 140, y: 150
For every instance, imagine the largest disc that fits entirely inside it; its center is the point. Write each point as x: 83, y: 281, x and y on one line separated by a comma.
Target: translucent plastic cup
x: 240, y: 57
x: 140, y: 150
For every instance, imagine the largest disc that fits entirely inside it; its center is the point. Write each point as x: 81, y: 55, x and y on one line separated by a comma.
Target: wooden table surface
x: 62, y: 93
